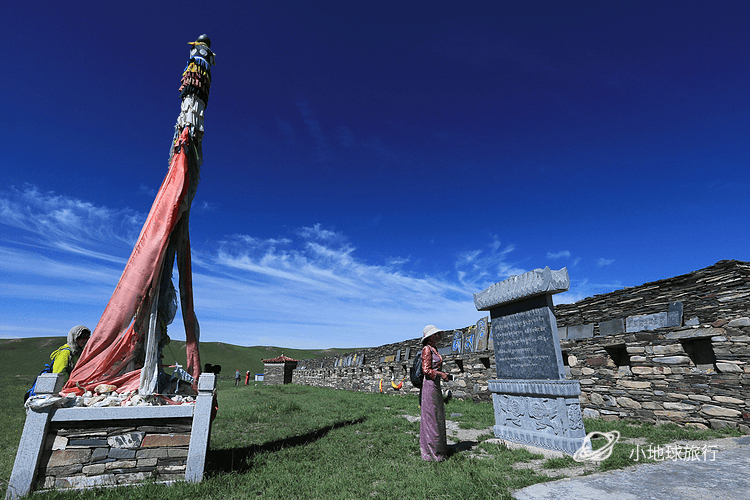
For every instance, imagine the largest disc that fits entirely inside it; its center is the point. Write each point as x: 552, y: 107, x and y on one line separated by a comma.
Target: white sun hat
x: 429, y: 331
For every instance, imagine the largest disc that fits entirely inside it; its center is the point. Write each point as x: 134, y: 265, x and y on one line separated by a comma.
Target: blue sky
x: 369, y: 166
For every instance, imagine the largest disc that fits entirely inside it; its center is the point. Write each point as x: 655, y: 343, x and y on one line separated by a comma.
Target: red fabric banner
x: 117, y: 341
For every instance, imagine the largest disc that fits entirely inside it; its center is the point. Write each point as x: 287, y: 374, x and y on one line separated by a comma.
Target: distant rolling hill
x: 26, y: 357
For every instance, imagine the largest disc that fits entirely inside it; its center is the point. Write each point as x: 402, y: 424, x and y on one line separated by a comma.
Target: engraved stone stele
x: 674, y: 314
x: 456, y: 345
x: 612, y: 327
x: 534, y: 404
x: 482, y: 334
x: 580, y: 332
x: 469, y: 337
x: 445, y: 351
x: 646, y: 322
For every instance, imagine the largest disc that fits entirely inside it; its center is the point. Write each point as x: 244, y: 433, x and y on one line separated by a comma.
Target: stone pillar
x: 534, y: 404
x: 32, y: 439
x: 201, y: 431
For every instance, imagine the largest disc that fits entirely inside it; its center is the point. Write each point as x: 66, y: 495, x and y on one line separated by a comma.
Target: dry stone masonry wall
x: 118, y: 453
x: 364, y: 369
x: 676, y: 349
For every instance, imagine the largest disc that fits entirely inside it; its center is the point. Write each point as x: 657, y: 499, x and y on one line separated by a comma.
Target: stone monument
x: 482, y: 334
x: 534, y: 404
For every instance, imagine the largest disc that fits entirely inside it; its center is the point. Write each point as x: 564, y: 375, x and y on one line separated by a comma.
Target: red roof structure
x: 280, y: 359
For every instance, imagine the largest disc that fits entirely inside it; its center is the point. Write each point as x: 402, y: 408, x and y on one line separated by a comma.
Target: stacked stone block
x: 81, y: 447
x: 718, y: 291
x: 691, y: 376
x: 116, y: 453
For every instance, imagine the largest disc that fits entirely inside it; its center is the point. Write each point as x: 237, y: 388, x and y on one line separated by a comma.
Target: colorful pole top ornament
x: 194, y: 88
x: 196, y: 78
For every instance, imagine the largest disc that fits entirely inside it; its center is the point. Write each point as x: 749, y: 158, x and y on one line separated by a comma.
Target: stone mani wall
x: 718, y: 291
x: 471, y: 371
x: 692, y: 369
x: 112, y: 454
x: 696, y: 376
x: 695, y: 373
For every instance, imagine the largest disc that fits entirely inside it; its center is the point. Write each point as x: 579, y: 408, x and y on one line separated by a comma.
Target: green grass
x: 304, y: 442
x: 657, y: 434
x: 559, y: 463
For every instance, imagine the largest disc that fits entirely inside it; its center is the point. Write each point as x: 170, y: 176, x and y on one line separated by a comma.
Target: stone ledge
x: 123, y: 413
x: 553, y: 388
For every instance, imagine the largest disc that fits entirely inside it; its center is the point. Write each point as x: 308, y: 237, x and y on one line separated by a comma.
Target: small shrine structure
x: 278, y: 371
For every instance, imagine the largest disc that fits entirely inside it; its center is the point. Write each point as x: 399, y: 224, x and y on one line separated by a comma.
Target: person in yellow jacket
x: 64, y: 357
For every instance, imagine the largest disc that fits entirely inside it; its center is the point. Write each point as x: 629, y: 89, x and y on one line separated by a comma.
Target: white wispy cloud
x: 604, y: 262
x: 309, y: 288
x: 476, y: 269
x: 59, y: 221
x: 147, y: 191
x: 558, y: 255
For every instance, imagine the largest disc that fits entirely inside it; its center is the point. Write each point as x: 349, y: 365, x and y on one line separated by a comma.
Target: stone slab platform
x: 727, y: 477
x: 539, y: 413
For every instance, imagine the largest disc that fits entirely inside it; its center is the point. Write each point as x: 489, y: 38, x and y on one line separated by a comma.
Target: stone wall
x: 391, y: 363
x: 694, y: 373
x: 278, y: 373
x: 697, y: 376
x: 114, y: 453
x: 718, y: 291
x: 273, y: 374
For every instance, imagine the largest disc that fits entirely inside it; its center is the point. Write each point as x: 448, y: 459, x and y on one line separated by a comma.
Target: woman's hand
x: 444, y: 376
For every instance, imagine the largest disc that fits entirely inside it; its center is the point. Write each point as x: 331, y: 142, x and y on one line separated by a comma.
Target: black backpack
x: 416, y: 375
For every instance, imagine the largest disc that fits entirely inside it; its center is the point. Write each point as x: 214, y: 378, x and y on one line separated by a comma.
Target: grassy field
x: 304, y: 442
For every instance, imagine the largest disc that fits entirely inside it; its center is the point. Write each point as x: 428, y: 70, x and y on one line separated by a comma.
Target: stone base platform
x: 540, y: 413
x: 93, y: 447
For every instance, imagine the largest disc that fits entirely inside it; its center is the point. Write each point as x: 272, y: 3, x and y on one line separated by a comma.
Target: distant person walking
x: 237, y: 378
x: 433, y: 443
x: 247, y: 377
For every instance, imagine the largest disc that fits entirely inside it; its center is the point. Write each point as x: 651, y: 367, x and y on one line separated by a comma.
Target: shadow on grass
x: 240, y: 459
x: 461, y: 446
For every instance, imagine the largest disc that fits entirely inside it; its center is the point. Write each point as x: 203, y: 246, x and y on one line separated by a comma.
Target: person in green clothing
x: 64, y: 357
